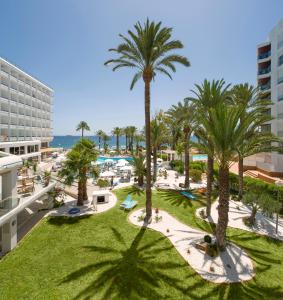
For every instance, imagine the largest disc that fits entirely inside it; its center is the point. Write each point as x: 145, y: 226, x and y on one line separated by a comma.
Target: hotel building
x: 25, y: 112
x: 270, y: 82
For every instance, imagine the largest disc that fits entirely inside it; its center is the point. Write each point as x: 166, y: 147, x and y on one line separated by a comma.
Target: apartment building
x: 270, y: 82
x: 25, y: 112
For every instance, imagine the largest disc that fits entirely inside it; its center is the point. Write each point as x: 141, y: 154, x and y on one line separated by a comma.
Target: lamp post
x: 278, y: 183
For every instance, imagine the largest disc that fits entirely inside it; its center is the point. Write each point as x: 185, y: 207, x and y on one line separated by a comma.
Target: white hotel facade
x: 25, y: 112
x: 270, y: 82
x: 25, y: 133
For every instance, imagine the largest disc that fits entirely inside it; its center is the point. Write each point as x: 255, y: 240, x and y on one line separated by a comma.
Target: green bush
x: 195, y: 175
x: 177, y: 165
x: 162, y: 156
x: 102, y: 183
x: 198, y: 165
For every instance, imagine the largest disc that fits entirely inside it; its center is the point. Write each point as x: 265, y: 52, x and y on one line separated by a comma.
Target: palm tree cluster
x: 229, y: 124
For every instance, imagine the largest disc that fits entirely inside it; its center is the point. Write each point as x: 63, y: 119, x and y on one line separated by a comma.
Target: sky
x: 64, y: 43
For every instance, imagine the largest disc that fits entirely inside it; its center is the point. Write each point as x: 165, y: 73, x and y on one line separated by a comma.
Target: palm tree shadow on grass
x: 175, y: 198
x: 131, y: 272
x: 134, y: 190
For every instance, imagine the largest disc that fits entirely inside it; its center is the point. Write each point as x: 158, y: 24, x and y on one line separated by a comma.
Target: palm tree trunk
x: 154, y: 163
x: 82, y: 132
x: 187, y: 162
x: 147, y: 78
x: 80, y: 201
x: 126, y: 143
x: 241, y: 177
x: 209, y: 178
x: 117, y: 143
x: 99, y: 141
x: 223, y: 206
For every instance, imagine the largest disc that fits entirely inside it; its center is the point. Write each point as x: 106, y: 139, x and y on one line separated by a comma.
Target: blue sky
x: 64, y: 43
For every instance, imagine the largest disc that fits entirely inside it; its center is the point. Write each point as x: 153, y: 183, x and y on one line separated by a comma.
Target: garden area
x: 105, y: 257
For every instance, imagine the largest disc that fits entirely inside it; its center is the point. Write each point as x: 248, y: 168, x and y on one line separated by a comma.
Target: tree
x: 117, y: 131
x: 105, y: 139
x: 83, y: 126
x: 184, y: 114
x: 100, y: 134
x: 127, y: 136
x: 255, y: 141
x: 132, y: 132
x: 158, y: 136
x: 138, y: 139
x: 207, y: 96
x: 225, y: 132
x: 77, y: 165
x: 257, y: 201
x: 139, y: 168
x: 148, y: 50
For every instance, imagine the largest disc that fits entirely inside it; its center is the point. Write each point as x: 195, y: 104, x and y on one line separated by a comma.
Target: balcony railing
x: 280, y: 98
x: 264, y: 55
x: 265, y: 87
x: 264, y: 71
x: 280, y: 80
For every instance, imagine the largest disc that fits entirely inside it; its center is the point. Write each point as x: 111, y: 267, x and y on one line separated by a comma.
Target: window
x: 22, y: 150
x: 280, y: 60
x: 266, y: 128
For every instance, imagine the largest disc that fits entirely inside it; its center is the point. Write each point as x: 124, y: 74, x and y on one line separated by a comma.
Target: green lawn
x: 105, y: 257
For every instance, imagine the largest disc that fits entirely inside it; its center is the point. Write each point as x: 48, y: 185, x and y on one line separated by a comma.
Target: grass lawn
x: 105, y: 257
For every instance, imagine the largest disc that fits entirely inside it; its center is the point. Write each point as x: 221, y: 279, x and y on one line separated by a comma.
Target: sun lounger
x: 188, y: 195
x: 128, y: 203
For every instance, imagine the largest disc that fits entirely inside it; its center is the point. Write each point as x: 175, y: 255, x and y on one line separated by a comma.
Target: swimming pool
x: 197, y: 157
x: 115, y: 158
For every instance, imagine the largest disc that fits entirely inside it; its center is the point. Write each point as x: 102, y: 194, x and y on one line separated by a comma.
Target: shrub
x: 174, y: 163
x: 195, y: 175
x: 179, y: 169
x: 102, y: 183
x: 162, y: 156
x: 198, y: 165
x: 207, y: 239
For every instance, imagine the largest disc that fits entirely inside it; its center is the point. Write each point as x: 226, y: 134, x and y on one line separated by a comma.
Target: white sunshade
x: 107, y: 174
x: 159, y: 159
x: 126, y: 168
x: 60, y: 158
x: 109, y: 161
x: 122, y: 163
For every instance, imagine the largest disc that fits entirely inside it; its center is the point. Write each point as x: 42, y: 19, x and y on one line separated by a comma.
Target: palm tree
x: 225, y: 133
x: 147, y: 50
x: 255, y: 141
x: 100, y: 134
x: 184, y: 114
x: 127, y: 136
x: 105, y: 139
x: 158, y: 137
x: 118, y: 132
x: 207, y: 96
x: 83, y: 126
x: 139, y: 168
x: 77, y: 165
x: 132, y: 132
x: 138, y: 139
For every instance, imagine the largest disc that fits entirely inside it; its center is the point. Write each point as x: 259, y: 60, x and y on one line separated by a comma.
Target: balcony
x: 264, y: 71
x: 264, y: 55
x: 280, y: 98
x: 265, y: 87
x: 280, y: 80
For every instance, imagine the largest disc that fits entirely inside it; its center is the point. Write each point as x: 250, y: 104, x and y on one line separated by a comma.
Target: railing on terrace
x: 264, y: 87
x: 264, y: 71
x: 264, y: 55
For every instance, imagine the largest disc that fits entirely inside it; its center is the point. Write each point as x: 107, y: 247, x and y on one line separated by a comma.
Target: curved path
x: 232, y: 265
x: 86, y: 209
x: 238, y: 210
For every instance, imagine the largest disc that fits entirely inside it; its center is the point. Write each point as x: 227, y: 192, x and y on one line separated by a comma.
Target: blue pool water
x: 197, y: 157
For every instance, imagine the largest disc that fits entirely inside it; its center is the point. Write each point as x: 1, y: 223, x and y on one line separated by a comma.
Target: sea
x: 67, y: 141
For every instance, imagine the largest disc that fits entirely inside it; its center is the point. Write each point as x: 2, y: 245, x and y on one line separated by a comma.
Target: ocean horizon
x: 67, y: 141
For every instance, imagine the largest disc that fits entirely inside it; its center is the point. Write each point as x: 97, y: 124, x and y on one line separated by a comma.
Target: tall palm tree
x: 225, y: 133
x: 207, y: 96
x: 83, y: 126
x: 105, y: 139
x: 184, y: 114
x: 139, y: 137
x: 127, y: 136
x: 77, y: 165
x: 100, y: 133
x: 247, y: 96
x: 148, y: 50
x: 158, y: 137
x: 117, y: 131
x: 132, y: 132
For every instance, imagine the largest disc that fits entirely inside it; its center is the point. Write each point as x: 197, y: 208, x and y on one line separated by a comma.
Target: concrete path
x: 238, y: 210
x: 232, y: 265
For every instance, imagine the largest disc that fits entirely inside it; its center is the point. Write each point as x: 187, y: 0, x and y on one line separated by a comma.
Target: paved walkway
x: 232, y: 265
x: 238, y: 210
